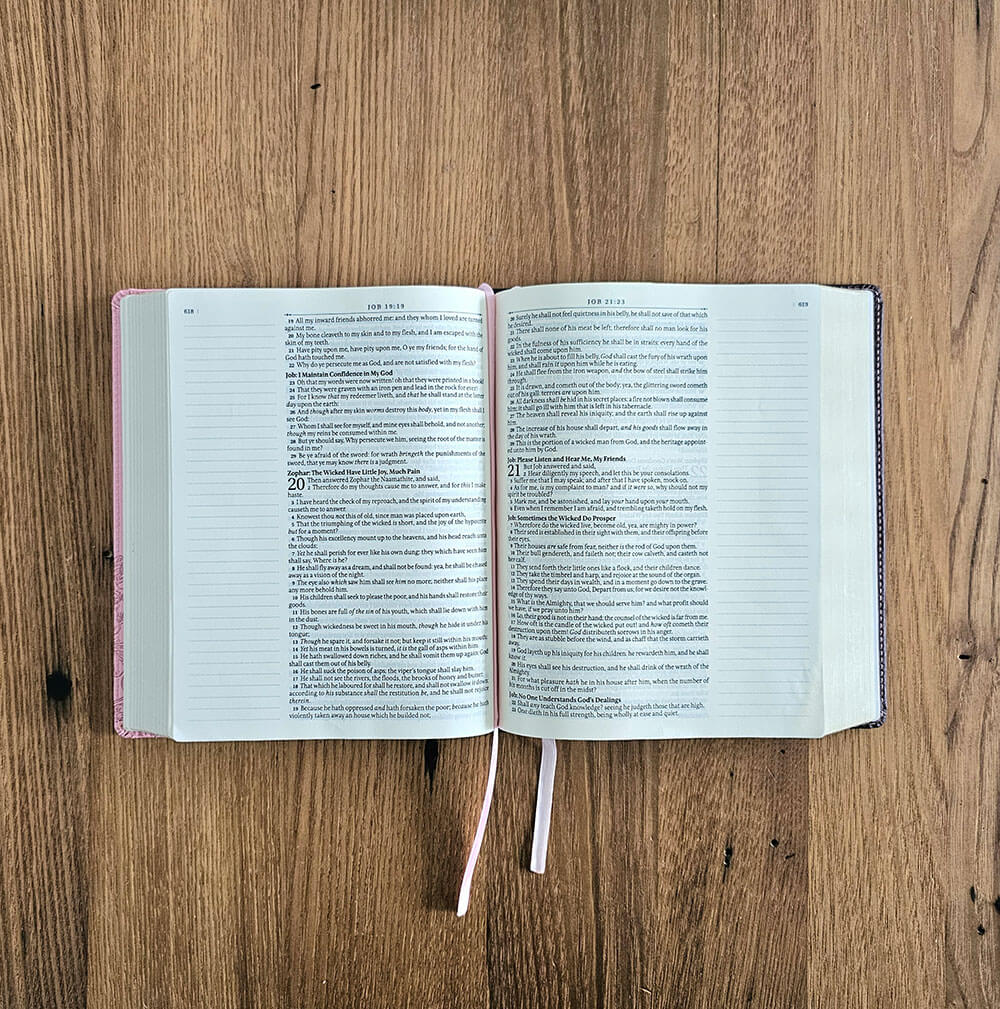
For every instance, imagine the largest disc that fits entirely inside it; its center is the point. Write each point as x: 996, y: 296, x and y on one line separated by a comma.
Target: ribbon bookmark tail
x: 543, y: 805
x: 477, y: 841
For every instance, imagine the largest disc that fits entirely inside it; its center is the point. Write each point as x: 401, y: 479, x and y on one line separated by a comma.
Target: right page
x: 687, y: 524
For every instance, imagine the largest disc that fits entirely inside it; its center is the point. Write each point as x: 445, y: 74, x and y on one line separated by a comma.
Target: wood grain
x: 230, y: 143
x: 971, y: 769
x: 881, y: 855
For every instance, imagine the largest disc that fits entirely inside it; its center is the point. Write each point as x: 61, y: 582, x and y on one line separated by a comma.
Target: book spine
x: 491, y: 391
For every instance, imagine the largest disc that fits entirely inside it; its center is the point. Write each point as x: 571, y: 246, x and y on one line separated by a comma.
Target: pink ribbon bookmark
x: 477, y: 840
x: 543, y: 805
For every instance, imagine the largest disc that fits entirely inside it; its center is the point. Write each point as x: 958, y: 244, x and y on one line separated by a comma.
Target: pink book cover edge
x: 116, y: 428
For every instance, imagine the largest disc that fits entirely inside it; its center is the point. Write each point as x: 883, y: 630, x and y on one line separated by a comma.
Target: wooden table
x: 180, y: 143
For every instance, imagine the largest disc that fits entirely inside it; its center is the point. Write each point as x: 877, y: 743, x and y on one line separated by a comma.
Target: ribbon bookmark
x: 543, y: 805
x: 477, y: 840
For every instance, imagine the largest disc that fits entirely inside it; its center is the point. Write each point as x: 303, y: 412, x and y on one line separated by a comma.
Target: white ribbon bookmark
x: 543, y: 805
x: 543, y: 816
x: 477, y: 840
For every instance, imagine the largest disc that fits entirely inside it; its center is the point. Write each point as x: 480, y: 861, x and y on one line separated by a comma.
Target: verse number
x: 296, y: 483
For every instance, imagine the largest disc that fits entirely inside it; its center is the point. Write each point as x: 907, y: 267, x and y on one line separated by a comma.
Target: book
x: 572, y: 511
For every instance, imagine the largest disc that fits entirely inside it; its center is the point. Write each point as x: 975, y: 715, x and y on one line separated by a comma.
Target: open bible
x: 575, y: 511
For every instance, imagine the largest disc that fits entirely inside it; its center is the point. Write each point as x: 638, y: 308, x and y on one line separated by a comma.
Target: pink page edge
x: 119, y: 589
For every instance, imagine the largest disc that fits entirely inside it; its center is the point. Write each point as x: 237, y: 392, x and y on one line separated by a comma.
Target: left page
x: 330, y: 514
